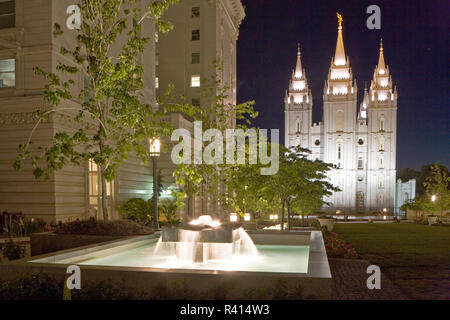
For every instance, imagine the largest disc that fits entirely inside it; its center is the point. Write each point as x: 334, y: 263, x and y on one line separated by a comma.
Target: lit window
x: 195, y: 35
x: 156, y: 82
x: 381, y: 163
x: 195, y: 12
x: 195, y: 81
x: 339, y: 155
x: 360, y: 163
x: 382, y: 124
x: 93, y: 183
x: 7, y: 73
x: 7, y: 14
x: 381, y: 71
x: 299, y: 85
x: 195, y: 58
x: 381, y: 144
x: 298, y: 99
x: 384, y: 83
x: 156, y: 37
x: 382, y: 96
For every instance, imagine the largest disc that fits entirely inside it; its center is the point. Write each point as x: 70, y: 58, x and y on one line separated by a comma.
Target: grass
x: 415, y: 257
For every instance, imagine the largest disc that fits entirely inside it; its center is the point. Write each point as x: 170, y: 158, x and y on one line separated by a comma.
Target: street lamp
x: 155, y: 152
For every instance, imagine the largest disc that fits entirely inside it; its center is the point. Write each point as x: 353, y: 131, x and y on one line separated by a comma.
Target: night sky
x: 416, y: 46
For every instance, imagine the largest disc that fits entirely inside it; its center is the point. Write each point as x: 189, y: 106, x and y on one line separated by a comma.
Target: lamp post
x: 155, y: 151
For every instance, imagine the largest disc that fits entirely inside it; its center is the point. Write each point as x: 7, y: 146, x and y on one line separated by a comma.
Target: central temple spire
x: 381, y: 63
x: 298, y: 67
x: 339, y: 56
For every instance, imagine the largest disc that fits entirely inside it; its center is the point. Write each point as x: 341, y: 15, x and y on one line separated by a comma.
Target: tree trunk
x: 104, y: 197
x: 282, y: 215
x: 289, y: 214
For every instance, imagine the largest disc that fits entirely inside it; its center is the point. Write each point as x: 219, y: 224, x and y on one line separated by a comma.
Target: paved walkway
x: 349, y: 282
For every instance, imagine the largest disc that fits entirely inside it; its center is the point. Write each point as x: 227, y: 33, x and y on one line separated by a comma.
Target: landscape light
x: 247, y: 217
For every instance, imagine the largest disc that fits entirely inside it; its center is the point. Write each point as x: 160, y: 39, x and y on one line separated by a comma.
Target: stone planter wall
x: 48, y: 242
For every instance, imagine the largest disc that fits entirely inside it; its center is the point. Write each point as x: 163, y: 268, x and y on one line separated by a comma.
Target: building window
x: 360, y: 199
x: 195, y: 58
x: 156, y: 82
x: 381, y: 143
x: 381, y: 163
x: 340, y: 121
x: 93, y: 184
x: 195, y: 35
x: 95, y: 189
x: 382, y: 124
x: 339, y: 155
x: 196, y: 102
x: 317, y: 142
x: 380, y: 183
x: 156, y: 37
x: 195, y: 81
x: 195, y: 12
x: 360, y: 163
x: 361, y: 141
x: 297, y: 124
x: 7, y: 14
x: 7, y: 73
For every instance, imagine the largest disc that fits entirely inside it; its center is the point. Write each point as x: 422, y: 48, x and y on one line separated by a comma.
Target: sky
x: 416, y: 36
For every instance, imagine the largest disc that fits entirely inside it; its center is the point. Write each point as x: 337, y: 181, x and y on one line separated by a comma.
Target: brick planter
x: 47, y: 242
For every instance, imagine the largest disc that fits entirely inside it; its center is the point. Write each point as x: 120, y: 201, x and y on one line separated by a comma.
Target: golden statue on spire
x: 340, y: 19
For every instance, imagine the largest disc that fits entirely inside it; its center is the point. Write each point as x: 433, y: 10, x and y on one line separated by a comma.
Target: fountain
x: 203, y: 254
x: 204, y: 239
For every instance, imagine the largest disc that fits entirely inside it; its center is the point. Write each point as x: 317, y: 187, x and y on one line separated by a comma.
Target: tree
x: 218, y: 112
x: 111, y: 117
x: 437, y: 184
x: 299, y: 184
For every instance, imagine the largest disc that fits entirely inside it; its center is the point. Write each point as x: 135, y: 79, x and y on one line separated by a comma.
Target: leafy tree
x: 437, y: 184
x: 111, y: 117
x: 218, y: 112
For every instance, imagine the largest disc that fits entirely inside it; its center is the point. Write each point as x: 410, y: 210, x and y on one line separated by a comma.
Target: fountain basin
x: 296, y: 258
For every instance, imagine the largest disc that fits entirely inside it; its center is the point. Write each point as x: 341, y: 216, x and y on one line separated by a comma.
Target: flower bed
x: 103, y: 228
x: 338, y: 248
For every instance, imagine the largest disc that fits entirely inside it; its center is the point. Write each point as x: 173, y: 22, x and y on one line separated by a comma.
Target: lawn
x: 415, y: 257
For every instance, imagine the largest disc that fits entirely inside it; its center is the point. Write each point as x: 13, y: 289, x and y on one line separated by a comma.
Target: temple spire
x: 298, y: 67
x: 381, y: 63
x: 339, y: 56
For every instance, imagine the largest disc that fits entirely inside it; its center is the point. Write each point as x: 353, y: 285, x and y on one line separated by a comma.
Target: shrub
x: 338, y: 248
x: 13, y: 251
x: 168, y: 208
x: 100, y: 228
x: 137, y: 209
x: 21, y: 227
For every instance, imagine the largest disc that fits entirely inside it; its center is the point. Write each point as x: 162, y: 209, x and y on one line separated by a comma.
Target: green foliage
x: 112, y: 117
x: 103, y: 228
x: 13, y: 251
x: 138, y: 210
x: 168, y: 208
x: 218, y: 112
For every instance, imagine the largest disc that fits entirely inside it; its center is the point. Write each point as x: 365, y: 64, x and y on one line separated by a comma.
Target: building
x: 361, y: 144
x: 26, y: 41
x: 406, y: 192
x: 204, y: 32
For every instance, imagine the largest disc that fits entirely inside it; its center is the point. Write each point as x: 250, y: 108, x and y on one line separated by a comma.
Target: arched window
x: 340, y: 121
x: 381, y: 164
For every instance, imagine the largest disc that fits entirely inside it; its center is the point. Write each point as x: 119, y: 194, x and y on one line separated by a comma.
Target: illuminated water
x: 270, y: 258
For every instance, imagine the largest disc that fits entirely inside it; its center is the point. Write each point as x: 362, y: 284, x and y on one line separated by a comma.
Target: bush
x: 13, y: 251
x: 21, y: 227
x: 168, y: 209
x: 103, y: 228
x: 338, y: 248
x: 137, y: 209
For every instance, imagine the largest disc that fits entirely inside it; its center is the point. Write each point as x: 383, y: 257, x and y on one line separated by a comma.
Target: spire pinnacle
x: 339, y: 57
x: 298, y: 67
x: 381, y: 63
